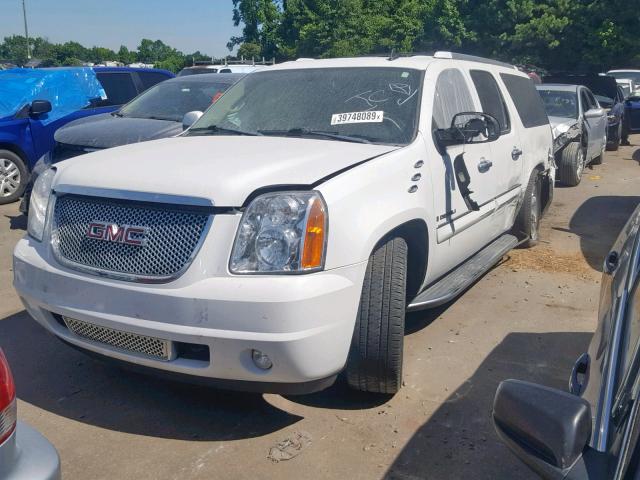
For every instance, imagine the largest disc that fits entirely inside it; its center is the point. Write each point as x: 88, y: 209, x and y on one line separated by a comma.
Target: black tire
x: 8, y: 194
x: 614, y: 144
x: 571, y: 164
x: 527, y: 225
x: 375, y: 357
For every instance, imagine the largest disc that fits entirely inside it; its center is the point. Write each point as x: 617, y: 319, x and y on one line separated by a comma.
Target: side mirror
x: 594, y: 113
x: 190, y: 118
x: 468, y: 127
x: 547, y: 429
x: 40, y: 107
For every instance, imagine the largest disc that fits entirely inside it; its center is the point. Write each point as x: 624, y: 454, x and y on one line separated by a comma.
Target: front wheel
x: 375, y: 357
x: 571, y: 164
x: 13, y: 177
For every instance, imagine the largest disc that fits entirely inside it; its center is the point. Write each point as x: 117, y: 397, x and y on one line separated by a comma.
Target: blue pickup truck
x: 34, y: 103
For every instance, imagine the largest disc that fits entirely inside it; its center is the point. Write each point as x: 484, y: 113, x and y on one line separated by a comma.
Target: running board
x: 456, y: 281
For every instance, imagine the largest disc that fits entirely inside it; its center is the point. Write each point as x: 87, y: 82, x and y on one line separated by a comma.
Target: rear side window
x: 452, y: 96
x: 119, y: 88
x: 491, y: 98
x: 527, y: 100
x: 149, y: 79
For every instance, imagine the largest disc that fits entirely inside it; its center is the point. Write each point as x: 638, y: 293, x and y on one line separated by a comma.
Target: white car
x: 283, y: 237
x: 579, y: 128
x: 628, y: 74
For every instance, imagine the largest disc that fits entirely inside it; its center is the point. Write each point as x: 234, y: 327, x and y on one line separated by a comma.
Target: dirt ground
x: 529, y: 318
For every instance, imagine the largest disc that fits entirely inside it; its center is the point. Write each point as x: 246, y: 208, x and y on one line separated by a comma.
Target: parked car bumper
x: 304, y: 323
x: 27, y: 455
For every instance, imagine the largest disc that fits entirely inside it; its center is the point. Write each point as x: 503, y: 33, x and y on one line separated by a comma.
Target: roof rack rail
x: 471, y: 58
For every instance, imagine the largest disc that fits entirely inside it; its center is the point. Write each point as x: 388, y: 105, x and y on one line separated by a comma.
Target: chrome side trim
x: 133, y: 196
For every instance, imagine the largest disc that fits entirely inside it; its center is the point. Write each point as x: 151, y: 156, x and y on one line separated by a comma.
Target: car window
x: 366, y: 104
x: 171, y: 100
x: 592, y: 100
x: 490, y: 97
x: 149, y: 79
x: 559, y: 103
x: 119, y: 88
x: 452, y: 96
x: 526, y: 99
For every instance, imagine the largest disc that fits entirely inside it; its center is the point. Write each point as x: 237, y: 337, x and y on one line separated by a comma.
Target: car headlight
x: 39, y: 204
x: 612, y: 118
x: 560, y: 140
x: 282, y: 232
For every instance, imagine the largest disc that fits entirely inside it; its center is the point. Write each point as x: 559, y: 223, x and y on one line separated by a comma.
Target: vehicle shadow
x: 459, y: 441
x: 60, y: 380
x: 610, y: 213
x: 17, y: 222
x: 636, y: 155
x: 340, y: 396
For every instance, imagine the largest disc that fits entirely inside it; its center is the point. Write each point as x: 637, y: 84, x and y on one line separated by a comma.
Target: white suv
x: 283, y: 237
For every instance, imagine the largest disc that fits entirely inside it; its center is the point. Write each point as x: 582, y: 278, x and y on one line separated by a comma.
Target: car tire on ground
x: 527, y: 225
x: 375, y: 357
x: 13, y: 177
x: 571, y: 164
x: 614, y: 144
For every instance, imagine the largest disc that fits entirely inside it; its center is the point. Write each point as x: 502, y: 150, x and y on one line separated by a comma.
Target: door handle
x: 515, y: 153
x: 484, y: 165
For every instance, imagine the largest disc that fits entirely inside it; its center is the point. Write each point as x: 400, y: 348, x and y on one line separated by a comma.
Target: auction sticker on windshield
x: 371, y: 116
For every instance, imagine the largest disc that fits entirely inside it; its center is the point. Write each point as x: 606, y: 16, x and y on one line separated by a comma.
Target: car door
x: 453, y: 216
x: 506, y: 151
x: 600, y: 125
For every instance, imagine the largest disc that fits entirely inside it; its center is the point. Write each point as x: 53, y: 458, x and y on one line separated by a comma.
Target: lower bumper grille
x: 131, y: 342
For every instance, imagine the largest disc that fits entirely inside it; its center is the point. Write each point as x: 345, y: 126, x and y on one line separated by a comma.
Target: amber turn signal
x: 314, y: 239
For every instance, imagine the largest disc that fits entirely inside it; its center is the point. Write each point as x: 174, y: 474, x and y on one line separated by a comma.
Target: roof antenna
x: 393, y: 55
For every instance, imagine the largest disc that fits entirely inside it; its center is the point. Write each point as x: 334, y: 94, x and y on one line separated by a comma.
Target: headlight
x: 39, y: 204
x: 612, y: 118
x: 560, y: 141
x: 281, y: 232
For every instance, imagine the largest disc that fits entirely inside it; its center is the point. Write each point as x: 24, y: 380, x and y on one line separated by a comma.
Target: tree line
x: 571, y: 35
x: 557, y: 35
x: 14, y: 49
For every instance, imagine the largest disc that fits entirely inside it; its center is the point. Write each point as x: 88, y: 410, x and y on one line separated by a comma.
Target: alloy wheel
x: 9, y: 177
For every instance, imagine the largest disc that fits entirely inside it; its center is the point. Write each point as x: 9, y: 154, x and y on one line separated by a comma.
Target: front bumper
x: 304, y: 323
x: 27, y: 455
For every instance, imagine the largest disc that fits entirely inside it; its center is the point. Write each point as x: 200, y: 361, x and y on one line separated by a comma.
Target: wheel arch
x: 416, y: 233
x: 12, y: 147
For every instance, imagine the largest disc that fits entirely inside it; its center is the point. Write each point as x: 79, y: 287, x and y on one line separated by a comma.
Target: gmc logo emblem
x: 110, y: 232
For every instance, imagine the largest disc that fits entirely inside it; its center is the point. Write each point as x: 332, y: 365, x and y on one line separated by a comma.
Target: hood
x: 106, y: 131
x: 561, y: 125
x: 222, y: 169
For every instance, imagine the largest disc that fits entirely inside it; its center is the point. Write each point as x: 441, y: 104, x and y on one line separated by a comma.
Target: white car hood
x: 222, y: 169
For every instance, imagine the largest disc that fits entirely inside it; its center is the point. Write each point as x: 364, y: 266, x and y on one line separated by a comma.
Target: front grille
x: 131, y: 342
x: 171, y: 237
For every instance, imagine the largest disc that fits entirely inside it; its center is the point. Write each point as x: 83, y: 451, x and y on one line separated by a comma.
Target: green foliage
x: 249, y: 50
x: 576, y: 35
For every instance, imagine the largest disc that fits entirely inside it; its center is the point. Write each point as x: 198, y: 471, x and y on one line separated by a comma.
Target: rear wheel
x: 527, y: 224
x: 13, y: 177
x: 375, y: 358
x: 614, y: 144
x: 571, y: 164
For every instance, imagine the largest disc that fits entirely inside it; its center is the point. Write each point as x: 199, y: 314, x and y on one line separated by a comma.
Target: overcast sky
x: 204, y: 25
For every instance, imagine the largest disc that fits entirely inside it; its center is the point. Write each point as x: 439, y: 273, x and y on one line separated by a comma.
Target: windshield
x: 559, y: 103
x: 635, y: 76
x: 367, y: 104
x: 171, y: 100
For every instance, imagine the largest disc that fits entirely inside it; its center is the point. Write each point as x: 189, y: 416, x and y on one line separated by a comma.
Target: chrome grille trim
x: 127, y: 341
x: 176, y: 233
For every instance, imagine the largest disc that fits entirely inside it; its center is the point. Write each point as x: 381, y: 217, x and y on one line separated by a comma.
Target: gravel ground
x: 528, y: 318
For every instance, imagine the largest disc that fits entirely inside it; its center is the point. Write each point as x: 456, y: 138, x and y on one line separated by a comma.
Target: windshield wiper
x: 305, y: 132
x: 213, y: 129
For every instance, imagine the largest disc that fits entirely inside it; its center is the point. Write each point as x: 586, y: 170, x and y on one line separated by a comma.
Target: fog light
x: 262, y: 361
